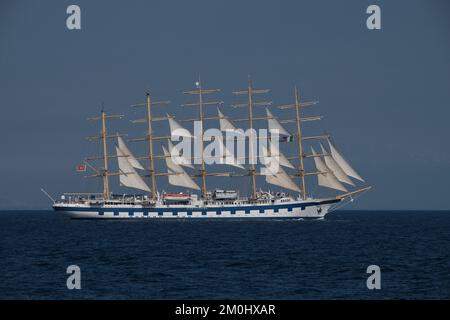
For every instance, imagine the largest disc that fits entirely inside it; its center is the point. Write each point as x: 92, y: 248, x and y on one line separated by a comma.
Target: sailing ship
x: 290, y: 199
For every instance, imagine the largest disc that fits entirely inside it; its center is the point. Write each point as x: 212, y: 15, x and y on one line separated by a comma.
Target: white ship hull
x: 316, y: 209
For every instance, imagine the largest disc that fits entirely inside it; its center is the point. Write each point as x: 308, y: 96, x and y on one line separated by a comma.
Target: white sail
x: 346, y: 167
x: 177, y: 157
x: 274, y: 124
x: 280, y: 177
x: 283, y: 180
x: 226, y: 157
x: 128, y: 176
x: 177, y: 175
x: 326, y: 178
x: 282, y: 158
x: 176, y: 129
x: 224, y: 123
x: 130, y: 157
x: 334, y: 167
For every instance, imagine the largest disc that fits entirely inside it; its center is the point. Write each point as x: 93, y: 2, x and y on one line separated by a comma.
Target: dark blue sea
x: 226, y: 259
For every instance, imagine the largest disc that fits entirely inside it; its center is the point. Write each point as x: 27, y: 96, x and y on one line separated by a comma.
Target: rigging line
x: 48, y: 196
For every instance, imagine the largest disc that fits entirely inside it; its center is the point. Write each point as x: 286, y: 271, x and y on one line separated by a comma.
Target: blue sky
x: 385, y: 94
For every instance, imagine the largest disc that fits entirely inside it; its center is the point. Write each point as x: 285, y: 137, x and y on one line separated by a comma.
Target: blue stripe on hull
x: 175, y: 211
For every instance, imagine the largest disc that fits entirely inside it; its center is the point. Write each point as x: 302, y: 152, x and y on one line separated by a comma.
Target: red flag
x: 81, y: 168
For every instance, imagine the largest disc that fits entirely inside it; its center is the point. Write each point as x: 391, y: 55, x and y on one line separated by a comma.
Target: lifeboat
x: 176, y: 197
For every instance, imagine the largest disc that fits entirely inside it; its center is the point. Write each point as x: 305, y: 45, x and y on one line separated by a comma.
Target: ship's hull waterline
x: 290, y: 210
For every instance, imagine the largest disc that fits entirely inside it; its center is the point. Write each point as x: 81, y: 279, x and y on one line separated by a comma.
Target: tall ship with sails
x: 198, y: 199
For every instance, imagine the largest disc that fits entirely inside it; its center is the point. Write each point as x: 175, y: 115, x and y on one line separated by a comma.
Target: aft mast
x: 104, y: 173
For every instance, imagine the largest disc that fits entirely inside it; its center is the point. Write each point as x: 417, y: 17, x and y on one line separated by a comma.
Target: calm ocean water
x: 215, y: 259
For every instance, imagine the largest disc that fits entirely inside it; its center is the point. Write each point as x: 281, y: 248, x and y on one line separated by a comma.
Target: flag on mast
x: 81, y: 168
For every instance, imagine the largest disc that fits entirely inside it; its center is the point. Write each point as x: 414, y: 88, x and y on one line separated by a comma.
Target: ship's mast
x: 297, y: 105
x: 150, y: 145
x: 200, y: 104
x: 105, y: 158
x: 300, y: 144
x: 200, y: 114
x: 250, y: 91
x: 104, y: 172
x: 251, y: 140
x: 151, y: 155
